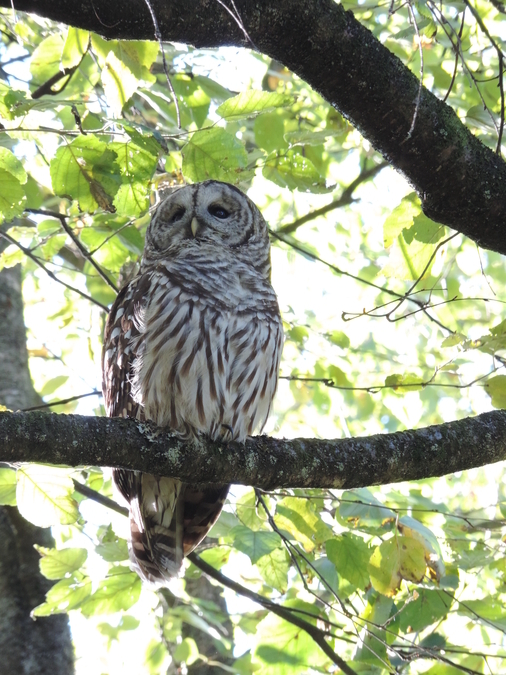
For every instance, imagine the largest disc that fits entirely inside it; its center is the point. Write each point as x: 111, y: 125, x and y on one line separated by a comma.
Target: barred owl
x: 193, y: 343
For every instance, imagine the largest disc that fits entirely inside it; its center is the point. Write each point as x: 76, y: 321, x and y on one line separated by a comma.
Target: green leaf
x: 426, y: 230
x: 10, y: 163
x: 363, y: 509
x: 453, y: 340
x: 480, y: 117
x: 43, y: 495
x: 214, y: 153
x: 75, y: 47
x: 186, y: 651
x: 124, y: 65
x: 12, y: 196
x: 117, y: 593
x: 300, y: 519
x: 401, y: 218
x: 53, y: 384
x: 132, y: 199
x: 86, y: 170
x: 295, y: 172
x: 113, y: 551
x: 254, y: 544
x: 350, y: 554
x: 247, y: 512
x: 337, y: 337
x: 12, y: 255
x: 253, y: 101
x: 396, y: 559
x: 409, y: 381
x: 216, y: 556
x: 274, y: 568
x: 57, y: 564
x: 285, y: 649
x: 409, y: 527
x: 7, y: 487
x: 46, y: 58
x: 309, y: 137
x: 126, y: 622
x: 372, y: 647
x: 496, y: 389
x: 269, y: 132
x: 65, y: 595
x: 427, y: 607
x: 12, y: 102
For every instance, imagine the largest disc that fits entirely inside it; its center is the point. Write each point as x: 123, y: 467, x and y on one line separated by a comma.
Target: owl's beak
x: 194, y: 226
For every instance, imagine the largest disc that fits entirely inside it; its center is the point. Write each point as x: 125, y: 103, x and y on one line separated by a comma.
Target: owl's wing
x: 121, y: 339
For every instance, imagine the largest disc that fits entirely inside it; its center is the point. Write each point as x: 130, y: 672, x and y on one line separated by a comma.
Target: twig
x: 158, y: 36
x: 46, y: 88
x: 345, y: 199
x: 420, y: 84
x: 62, y: 401
x: 100, y: 499
x: 85, y: 253
x: 462, y: 23
x: 315, y: 633
x: 373, y: 389
x: 50, y: 274
x: 300, y: 249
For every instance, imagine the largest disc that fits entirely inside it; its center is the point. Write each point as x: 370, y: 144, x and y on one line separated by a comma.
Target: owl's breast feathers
x: 208, y: 348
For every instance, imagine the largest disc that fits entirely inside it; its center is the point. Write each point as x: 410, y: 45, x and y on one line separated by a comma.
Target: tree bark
x: 27, y: 647
x: 461, y: 183
x: 261, y: 461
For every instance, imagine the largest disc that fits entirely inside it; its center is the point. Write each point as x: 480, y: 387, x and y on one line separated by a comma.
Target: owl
x: 193, y: 343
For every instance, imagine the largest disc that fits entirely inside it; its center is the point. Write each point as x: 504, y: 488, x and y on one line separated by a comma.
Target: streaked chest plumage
x: 208, y: 348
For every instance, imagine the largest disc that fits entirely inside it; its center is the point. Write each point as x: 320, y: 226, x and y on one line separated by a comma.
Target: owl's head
x: 211, y: 217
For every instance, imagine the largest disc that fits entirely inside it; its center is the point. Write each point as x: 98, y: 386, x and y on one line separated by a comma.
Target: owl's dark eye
x: 177, y: 214
x: 218, y: 211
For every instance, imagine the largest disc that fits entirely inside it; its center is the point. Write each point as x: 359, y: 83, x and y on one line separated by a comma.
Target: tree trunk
x: 27, y: 647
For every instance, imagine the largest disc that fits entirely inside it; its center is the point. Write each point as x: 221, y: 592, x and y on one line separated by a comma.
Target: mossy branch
x: 261, y: 461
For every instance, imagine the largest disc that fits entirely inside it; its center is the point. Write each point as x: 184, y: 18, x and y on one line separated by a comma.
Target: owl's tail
x: 168, y: 519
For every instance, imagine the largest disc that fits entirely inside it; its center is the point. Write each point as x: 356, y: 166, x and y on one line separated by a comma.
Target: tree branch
x: 264, y: 462
x: 345, y: 199
x: 461, y: 183
x: 284, y: 612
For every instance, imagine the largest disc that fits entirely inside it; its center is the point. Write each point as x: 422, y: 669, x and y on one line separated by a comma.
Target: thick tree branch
x: 461, y: 182
x: 262, y: 461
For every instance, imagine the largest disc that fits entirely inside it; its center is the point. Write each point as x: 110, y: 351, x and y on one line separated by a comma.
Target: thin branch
x: 454, y: 75
x: 100, y: 499
x: 373, y: 389
x: 315, y: 633
x: 158, y: 36
x: 500, y: 56
x: 345, y: 199
x: 47, y: 87
x: 50, y: 274
x: 420, y: 85
x: 62, y: 401
x: 300, y: 249
x: 85, y: 253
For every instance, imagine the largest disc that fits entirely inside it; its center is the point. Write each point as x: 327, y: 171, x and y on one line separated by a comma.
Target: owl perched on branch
x: 193, y: 343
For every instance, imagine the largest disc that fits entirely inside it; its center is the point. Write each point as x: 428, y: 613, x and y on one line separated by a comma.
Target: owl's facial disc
x: 203, y: 214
